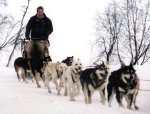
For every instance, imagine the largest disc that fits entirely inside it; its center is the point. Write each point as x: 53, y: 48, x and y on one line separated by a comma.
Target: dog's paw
x: 39, y: 86
x: 26, y: 81
x: 136, y: 107
x: 45, y: 85
x: 77, y: 94
x: 49, y: 91
x: 121, y: 105
x: 109, y: 105
x: 72, y: 99
x: 103, y: 101
x: 58, y: 93
x: 65, y: 94
x: 90, y: 102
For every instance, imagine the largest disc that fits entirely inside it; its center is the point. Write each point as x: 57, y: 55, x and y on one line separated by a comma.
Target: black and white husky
x: 23, y: 65
x: 124, y: 83
x: 94, y: 79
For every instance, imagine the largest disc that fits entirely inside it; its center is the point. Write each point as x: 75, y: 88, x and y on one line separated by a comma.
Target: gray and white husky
x: 94, y: 79
x: 123, y: 82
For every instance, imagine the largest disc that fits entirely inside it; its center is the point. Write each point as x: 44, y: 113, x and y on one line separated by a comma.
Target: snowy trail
x: 21, y: 98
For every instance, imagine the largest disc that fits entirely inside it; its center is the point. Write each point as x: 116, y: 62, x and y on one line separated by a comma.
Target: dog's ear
x: 131, y: 65
x: 95, y: 64
x: 103, y: 63
x: 58, y: 62
x: 122, y: 64
x: 78, y: 59
x: 107, y: 64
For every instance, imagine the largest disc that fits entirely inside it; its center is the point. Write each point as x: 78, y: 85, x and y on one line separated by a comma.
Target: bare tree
x: 6, y: 25
x: 3, y: 2
x: 108, y: 30
x: 8, y: 37
x: 7, y: 28
x: 124, y: 31
x: 19, y: 33
x: 136, y: 15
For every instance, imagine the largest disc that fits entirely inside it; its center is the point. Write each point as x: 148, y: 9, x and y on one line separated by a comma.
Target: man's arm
x: 49, y: 27
x: 28, y: 28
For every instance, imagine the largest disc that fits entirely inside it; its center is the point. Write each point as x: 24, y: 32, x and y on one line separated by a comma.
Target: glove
x: 48, y: 43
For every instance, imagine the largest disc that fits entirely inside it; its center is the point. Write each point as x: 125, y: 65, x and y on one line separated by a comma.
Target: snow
x: 25, y: 98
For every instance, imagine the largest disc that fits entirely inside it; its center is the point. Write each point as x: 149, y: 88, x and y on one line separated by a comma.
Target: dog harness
x: 95, y: 81
x: 74, y: 80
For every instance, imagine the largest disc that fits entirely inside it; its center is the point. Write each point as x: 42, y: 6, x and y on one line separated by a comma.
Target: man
x: 39, y: 28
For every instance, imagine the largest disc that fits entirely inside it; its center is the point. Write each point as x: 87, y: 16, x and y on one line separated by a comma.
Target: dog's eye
x: 100, y: 68
x: 127, y: 71
x: 80, y: 64
x: 76, y: 64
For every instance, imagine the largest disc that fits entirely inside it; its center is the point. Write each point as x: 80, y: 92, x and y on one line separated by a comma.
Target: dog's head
x: 101, y: 70
x: 68, y: 61
x: 128, y: 75
x: 61, y: 68
x: 77, y: 66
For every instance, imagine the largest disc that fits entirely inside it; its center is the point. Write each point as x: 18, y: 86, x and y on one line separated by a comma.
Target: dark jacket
x: 39, y: 28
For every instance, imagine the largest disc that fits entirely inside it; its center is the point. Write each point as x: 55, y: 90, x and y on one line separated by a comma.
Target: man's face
x: 40, y: 13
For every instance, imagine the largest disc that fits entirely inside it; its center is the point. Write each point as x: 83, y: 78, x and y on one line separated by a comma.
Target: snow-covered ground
x: 21, y: 98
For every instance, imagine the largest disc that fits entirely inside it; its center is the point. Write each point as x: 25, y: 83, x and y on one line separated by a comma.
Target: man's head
x: 40, y: 12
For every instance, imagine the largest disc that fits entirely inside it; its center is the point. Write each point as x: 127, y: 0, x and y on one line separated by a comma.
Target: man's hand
x: 27, y: 38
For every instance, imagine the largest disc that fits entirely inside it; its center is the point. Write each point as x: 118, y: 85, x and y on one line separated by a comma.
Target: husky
x: 37, y: 68
x: 71, y: 79
x: 94, y: 79
x: 23, y: 65
x: 123, y: 82
x: 53, y: 72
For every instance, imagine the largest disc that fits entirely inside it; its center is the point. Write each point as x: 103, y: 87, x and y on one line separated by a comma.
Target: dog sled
x: 30, y: 48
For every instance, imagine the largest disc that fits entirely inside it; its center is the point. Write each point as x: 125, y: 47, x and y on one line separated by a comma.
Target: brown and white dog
x: 53, y: 72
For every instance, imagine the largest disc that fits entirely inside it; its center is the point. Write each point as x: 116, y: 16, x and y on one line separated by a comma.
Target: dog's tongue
x: 104, y: 76
x: 79, y: 70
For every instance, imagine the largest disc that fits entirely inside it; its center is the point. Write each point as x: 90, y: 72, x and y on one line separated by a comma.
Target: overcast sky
x: 73, y: 23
